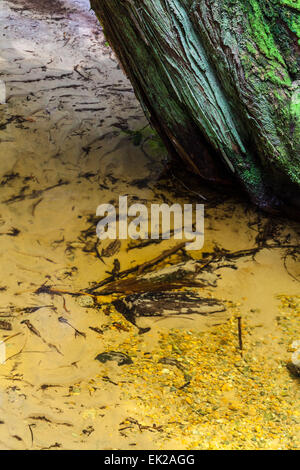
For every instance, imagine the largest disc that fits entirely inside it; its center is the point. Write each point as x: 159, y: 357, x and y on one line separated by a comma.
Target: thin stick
x: 10, y: 337
x: 239, y: 319
x: 29, y: 425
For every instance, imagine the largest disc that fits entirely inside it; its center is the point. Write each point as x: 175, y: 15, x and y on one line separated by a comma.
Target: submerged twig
x: 37, y: 333
x: 77, y: 332
x: 239, y: 319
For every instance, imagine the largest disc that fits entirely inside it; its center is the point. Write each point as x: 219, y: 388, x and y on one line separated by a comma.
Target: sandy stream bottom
x: 63, y: 153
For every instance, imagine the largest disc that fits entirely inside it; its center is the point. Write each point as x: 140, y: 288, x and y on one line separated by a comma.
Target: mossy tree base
x: 220, y: 81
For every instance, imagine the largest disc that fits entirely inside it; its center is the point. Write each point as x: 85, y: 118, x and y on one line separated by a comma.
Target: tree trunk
x: 219, y: 80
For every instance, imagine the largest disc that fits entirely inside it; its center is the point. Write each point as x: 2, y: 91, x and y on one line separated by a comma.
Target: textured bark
x: 219, y: 80
x: 159, y: 304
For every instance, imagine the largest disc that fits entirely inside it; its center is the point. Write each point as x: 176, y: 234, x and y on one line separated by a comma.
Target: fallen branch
x: 139, y: 268
x: 239, y: 319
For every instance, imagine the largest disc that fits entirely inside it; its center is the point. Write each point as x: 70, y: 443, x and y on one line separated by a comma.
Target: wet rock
x: 86, y: 301
x: 121, y: 358
x: 293, y: 369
